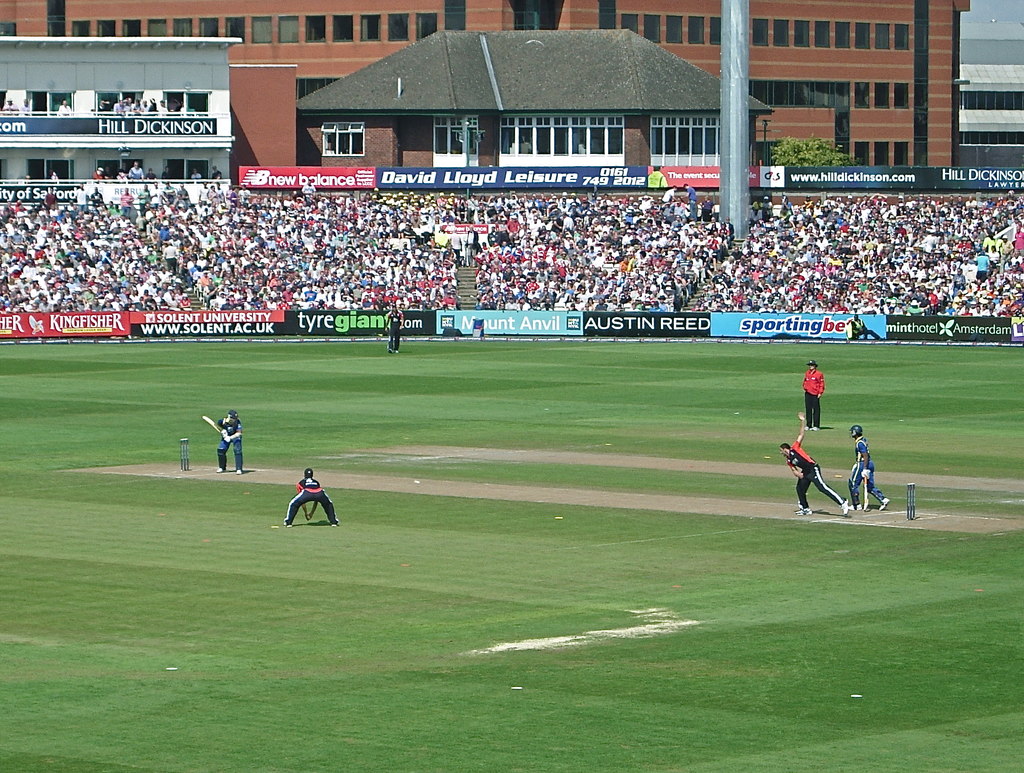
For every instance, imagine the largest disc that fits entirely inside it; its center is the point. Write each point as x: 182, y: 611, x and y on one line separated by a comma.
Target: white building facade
x: 75, y: 108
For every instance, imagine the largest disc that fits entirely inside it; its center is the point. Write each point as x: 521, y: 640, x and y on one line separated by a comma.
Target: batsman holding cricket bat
x: 230, y: 428
x: 863, y: 473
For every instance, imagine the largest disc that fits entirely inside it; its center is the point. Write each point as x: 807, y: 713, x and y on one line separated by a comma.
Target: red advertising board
x: 93, y: 324
x: 465, y: 228
x: 702, y: 176
x: 326, y: 178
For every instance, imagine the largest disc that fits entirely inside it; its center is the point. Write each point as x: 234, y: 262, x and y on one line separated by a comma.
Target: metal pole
x: 735, y: 114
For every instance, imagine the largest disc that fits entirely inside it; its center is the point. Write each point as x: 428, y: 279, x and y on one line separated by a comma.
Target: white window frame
x: 559, y: 139
x: 344, y: 138
x: 685, y: 140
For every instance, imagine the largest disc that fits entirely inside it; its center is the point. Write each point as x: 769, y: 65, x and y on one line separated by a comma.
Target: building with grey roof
x: 517, y: 98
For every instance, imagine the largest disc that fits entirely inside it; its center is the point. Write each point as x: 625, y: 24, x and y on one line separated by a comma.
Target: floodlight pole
x: 734, y: 116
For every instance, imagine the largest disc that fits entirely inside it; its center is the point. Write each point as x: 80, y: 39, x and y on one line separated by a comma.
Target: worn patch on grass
x: 659, y: 623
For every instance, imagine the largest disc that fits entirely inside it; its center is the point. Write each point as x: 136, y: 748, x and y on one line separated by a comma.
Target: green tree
x: 815, y: 151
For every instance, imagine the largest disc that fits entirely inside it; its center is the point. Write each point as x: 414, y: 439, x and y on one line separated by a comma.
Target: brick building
x: 518, y: 99
x: 876, y: 76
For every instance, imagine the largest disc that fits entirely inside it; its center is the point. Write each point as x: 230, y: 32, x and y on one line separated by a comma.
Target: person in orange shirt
x: 814, y: 387
x: 806, y: 471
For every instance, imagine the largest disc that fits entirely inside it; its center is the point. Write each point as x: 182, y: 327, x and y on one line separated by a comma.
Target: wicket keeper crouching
x: 310, y: 490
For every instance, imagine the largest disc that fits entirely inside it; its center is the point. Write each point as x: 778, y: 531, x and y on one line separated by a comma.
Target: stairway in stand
x: 466, y: 277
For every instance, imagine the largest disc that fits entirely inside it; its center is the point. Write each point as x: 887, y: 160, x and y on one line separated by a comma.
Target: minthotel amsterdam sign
x: 119, y: 126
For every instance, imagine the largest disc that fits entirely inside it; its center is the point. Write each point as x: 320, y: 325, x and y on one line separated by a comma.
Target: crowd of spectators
x: 221, y: 248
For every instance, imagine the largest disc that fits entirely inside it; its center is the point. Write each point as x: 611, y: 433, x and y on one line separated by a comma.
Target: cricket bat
x: 212, y: 423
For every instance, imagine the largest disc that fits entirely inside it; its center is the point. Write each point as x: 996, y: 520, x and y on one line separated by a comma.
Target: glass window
x: 861, y: 94
x: 449, y: 131
x: 182, y: 28
x: 197, y: 102
x: 606, y: 13
x: 684, y: 140
x: 780, y: 32
x: 105, y: 28
x: 882, y: 95
x: 881, y: 36
x: 80, y: 29
x: 900, y: 153
x: 42, y: 168
x: 209, y: 28
x: 901, y: 38
x: 156, y: 28
x: 842, y: 34
x: 455, y: 14
x: 57, y: 98
x: 234, y: 27
x: 801, y: 34
x: 759, y: 32
x: 900, y: 95
x: 426, y: 24
x: 862, y: 35
x: 261, y: 29
x: 673, y: 29
x: 822, y: 34
x: 652, y: 27
x: 343, y: 28
x: 288, y: 29
x: 881, y: 154
x: 860, y: 153
x: 304, y: 86
x: 130, y: 28
x: 369, y: 27
x: 695, y: 30
x: 715, y: 30
x: 630, y: 21
x: 343, y: 139
x: 316, y: 29
x: 398, y: 26
x: 560, y: 135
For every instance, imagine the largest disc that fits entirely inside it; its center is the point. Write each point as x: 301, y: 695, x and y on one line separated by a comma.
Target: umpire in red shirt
x: 310, y: 490
x: 814, y: 387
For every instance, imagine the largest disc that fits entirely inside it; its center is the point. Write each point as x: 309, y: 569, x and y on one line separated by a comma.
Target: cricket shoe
x: 334, y: 524
x: 288, y: 525
x: 804, y: 511
x: 238, y: 472
x: 861, y: 507
x: 885, y: 504
x: 846, y: 508
x: 221, y: 469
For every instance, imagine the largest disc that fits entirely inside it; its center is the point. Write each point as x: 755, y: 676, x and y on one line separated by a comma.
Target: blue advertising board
x: 514, y: 323
x: 113, y: 125
x: 819, y: 326
x: 495, y: 177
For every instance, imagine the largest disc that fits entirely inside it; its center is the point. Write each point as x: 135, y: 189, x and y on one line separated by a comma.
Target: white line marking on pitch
x: 662, y: 621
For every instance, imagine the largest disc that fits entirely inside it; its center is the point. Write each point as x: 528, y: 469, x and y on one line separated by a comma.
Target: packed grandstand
x: 231, y: 249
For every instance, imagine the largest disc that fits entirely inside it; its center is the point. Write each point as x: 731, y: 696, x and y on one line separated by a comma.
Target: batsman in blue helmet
x: 863, y: 472
x: 230, y: 435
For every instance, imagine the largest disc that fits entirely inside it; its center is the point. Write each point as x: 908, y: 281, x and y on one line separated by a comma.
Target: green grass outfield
x: 316, y: 649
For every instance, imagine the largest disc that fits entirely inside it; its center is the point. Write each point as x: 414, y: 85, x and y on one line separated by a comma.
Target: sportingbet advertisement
x: 816, y: 326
